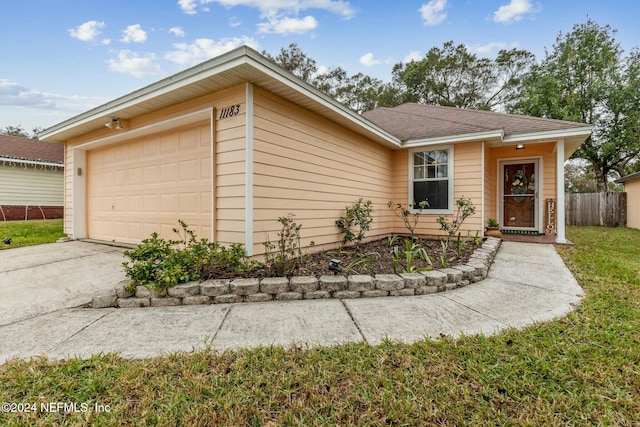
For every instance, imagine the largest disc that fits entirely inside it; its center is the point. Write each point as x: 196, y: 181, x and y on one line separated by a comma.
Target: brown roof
x: 418, y: 121
x: 15, y: 147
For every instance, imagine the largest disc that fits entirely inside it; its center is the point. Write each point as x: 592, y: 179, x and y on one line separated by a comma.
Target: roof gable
x: 14, y: 147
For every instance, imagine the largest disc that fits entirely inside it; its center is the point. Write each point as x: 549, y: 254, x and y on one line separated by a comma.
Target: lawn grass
x: 29, y: 233
x: 583, y: 369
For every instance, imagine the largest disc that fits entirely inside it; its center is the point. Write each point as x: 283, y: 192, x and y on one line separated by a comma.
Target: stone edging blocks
x: 225, y: 291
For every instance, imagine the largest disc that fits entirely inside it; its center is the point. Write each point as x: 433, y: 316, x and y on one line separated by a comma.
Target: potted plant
x: 493, y: 228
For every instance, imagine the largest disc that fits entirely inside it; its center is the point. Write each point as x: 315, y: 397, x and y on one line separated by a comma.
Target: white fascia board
x: 169, y: 84
x: 453, y: 139
x: 31, y: 162
x: 583, y: 131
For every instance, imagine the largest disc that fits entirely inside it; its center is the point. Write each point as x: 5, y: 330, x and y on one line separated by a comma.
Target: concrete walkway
x: 527, y: 283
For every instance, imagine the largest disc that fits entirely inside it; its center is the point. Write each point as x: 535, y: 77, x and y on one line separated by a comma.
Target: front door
x: 519, y: 210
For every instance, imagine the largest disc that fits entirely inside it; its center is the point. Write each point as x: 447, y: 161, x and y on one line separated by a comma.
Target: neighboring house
x: 230, y: 145
x: 31, y: 179
x: 632, y: 188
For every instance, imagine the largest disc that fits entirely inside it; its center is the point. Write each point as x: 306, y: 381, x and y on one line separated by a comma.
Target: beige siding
x: 467, y: 183
x: 490, y: 189
x: 229, y: 136
x: 23, y: 184
x: 632, y: 188
x: 68, y: 190
x: 310, y: 167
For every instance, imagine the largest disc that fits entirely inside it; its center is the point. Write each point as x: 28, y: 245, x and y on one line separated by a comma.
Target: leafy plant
x: 407, y: 259
x: 409, y: 219
x: 363, y: 263
x: 146, y: 261
x: 159, y: 264
x: 444, y: 255
x: 356, y: 221
x: 464, y: 210
x: 392, y: 240
x: 284, y: 256
x: 492, y: 223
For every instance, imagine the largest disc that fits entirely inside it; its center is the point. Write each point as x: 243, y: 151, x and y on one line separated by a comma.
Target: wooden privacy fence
x: 606, y: 209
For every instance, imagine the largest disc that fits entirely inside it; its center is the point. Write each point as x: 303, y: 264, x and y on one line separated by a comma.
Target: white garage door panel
x: 137, y: 187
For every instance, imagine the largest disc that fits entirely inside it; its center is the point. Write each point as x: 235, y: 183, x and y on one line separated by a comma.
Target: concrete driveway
x: 36, y: 280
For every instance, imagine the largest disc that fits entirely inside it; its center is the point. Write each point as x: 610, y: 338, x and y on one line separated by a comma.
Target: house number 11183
x: 227, y: 112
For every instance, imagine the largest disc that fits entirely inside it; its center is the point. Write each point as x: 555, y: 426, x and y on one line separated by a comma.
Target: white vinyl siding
x: 25, y: 184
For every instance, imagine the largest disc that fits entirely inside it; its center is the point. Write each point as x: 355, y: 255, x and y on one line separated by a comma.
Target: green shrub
x: 356, y: 219
x: 282, y: 258
x: 159, y: 264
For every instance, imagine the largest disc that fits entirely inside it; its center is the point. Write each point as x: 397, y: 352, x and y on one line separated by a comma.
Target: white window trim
x: 450, y: 173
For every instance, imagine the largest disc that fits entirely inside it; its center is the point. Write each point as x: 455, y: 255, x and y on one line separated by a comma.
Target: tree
x: 358, y: 92
x: 454, y: 77
x: 585, y: 78
x: 19, y: 131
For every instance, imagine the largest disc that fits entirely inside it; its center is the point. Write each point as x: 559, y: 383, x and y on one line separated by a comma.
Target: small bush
x: 355, y: 222
x: 160, y: 264
x: 282, y: 258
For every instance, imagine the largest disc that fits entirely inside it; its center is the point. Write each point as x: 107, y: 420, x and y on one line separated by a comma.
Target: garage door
x: 145, y: 185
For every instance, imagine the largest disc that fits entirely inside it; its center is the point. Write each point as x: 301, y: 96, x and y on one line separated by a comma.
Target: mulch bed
x: 378, y: 251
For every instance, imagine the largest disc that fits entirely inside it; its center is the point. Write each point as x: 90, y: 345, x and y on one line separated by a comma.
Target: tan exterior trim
x: 248, y: 171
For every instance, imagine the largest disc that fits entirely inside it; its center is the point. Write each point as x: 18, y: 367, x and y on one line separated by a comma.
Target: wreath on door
x: 519, y: 185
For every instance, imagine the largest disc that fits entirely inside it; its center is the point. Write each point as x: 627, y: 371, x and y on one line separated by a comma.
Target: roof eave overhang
x: 250, y: 67
x: 492, y: 135
x: 573, y: 137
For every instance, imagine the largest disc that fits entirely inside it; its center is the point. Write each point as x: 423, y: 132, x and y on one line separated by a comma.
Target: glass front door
x: 519, y: 195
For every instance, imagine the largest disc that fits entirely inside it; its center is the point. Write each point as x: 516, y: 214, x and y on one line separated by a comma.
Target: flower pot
x: 493, y: 232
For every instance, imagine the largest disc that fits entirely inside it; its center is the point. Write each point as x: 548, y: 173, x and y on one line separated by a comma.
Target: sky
x: 60, y: 58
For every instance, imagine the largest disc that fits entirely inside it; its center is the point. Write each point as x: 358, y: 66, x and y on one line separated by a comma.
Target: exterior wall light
x: 520, y: 147
x: 114, y: 123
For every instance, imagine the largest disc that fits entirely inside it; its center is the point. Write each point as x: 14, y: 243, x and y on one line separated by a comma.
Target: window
x: 431, y: 178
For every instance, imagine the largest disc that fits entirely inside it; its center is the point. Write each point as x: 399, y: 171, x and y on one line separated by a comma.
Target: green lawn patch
x: 583, y: 369
x: 29, y: 233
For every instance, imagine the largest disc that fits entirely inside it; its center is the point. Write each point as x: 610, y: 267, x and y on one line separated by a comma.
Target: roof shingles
x: 413, y: 121
x: 14, y: 147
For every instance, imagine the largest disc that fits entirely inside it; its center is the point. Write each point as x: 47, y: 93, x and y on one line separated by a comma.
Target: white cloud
x: 286, y: 25
x: 513, y: 12
x: 271, y: 7
x: 134, y: 34
x: 414, y: 55
x: 188, y: 6
x: 88, y: 31
x: 491, y: 47
x: 433, y: 12
x: 203, y: 49
x: 131, y: 63
x: 234, y: 21
x: 368, y: 60
x: 15, y: 94
x: 177, y: 31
